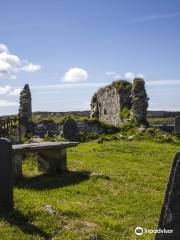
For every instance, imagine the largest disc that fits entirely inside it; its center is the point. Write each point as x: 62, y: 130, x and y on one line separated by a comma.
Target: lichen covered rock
x: 109, y: 101
x: 139, y: 102
x: 70, y: 130
x: 121, y: 101
x: 25, y: 109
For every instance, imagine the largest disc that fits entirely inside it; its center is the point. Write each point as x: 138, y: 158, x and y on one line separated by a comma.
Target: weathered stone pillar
x: 177, y: 126
x: 25, y: 109
x: 6, y: 175
x: 139, y: 102
x: 52, y: 160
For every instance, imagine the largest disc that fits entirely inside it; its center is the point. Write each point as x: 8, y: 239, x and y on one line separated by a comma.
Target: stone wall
x: 109, y: 101
x: 112, y: 102
x: 139, y: 102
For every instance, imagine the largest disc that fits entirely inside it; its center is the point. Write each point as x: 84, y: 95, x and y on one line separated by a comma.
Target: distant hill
x: 153, y: 114
x: 78, y: 113
x: 86, y: 113
x: 163, y: 114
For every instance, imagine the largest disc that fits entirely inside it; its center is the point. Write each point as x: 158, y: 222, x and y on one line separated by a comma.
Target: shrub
x: 124, y: 113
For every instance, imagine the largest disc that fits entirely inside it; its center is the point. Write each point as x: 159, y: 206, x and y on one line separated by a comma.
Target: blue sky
x: 67, y: 49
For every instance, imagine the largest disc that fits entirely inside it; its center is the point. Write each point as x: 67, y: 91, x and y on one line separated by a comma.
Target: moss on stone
x: 118, y: 85
x: 121, y: 85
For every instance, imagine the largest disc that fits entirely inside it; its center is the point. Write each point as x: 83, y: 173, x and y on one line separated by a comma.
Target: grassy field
x: 112, y: 187
x: 59, y: 117
x: 160, y: 121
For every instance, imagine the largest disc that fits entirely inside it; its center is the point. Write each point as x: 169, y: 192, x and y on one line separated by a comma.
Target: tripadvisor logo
x: 139, y: 231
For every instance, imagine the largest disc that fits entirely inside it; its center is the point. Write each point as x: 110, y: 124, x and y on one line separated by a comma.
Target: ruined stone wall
x: 139, y: 102
x: 108, y: 102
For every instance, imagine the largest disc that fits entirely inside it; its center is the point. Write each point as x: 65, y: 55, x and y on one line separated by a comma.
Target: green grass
x: 161, y: 120
x: 111, y: 188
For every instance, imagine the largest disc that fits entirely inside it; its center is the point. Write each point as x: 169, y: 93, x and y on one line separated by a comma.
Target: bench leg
x: 52, y: 160
x: 17, y: 166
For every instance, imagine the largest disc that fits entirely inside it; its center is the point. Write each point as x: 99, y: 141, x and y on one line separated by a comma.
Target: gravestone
x: 170, y: 212
x: 6, y: 176
x: 177, y: 126
x: 70, y: 130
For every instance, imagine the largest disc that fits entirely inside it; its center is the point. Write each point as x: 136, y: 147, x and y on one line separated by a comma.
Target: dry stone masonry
x: 110, y: 102
x: 139, y: 101
x: 25, y: 109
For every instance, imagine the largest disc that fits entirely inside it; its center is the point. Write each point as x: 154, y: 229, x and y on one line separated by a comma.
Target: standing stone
x: 177, y: 126
x: 6, y: 175
x: 70, y: 130
x: 139, y: 102
x: 25, y: 109
x: 170, y: 212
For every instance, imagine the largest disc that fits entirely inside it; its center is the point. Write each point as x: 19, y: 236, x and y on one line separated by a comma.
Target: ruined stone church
x: 111, y: 102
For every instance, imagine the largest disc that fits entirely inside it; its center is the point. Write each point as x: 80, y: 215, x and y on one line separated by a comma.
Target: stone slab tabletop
x: 34, y: 147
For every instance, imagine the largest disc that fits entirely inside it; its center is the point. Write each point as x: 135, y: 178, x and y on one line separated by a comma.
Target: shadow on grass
x: 53, y: 180
x: 19, y: 220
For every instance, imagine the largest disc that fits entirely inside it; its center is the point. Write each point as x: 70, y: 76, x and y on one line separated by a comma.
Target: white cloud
x: 13, y: 77
x: 156, y: 17
x: 117, y: 76
x: 9, y: 91
x: 10, y: 63
x: 4, y: 90
x: 140, y: 75
x: 114, y: 75
x: 14, y: 92
x: 163, y: 82
x: 74, y: 75
x: 110, y: 73
x: 6, y: 103
x: 131, y: 76
x: 70, y: 85
x: 31, y: 67
x: 3, y: 48
x: 128, y: 75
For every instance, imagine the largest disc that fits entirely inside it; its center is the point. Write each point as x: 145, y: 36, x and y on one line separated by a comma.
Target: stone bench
x: 51, y: 156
